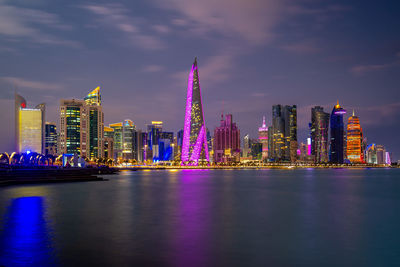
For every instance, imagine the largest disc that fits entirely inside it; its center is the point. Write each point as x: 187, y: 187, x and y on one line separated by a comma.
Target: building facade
x: 74, y: 127
x: 263, y: 139
x: 227, y: 141
x: 194, y: 146
x: 319, y: 134
x: 50, y: 138
x: 29, y: 127
x: 354, y: 135
x: 336, y: 152
x: 283, y: 138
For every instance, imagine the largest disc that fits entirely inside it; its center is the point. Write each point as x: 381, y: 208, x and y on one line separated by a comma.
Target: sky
x: 252, y: 54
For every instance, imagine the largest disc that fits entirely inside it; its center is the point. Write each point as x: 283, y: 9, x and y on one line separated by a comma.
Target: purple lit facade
x: 194, y: 145
x: 227, y: 141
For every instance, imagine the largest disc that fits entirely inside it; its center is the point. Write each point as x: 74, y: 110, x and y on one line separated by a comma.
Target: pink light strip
x: 186, y: 130
x: 204, y: 123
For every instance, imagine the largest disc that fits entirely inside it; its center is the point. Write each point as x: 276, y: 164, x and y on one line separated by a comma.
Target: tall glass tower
x: 194, y: 145
x: 336, y: 153
x: 354, y: 140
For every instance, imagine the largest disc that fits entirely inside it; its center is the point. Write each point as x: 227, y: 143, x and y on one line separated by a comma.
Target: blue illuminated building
x: 336, y: 152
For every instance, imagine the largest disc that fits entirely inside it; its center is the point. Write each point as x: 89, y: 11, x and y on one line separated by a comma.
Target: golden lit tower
x: 354, y: 140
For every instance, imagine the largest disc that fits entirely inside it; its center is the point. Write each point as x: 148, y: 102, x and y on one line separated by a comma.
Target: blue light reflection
x: 24, y: 240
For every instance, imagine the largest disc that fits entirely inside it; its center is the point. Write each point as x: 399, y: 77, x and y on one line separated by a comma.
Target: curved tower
x: 354, y: 140
x: 336, y: 154
x: 194, y: 145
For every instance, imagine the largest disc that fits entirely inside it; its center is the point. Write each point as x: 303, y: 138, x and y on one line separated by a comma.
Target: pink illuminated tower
x: 194, y: 145
x: 263, y: 138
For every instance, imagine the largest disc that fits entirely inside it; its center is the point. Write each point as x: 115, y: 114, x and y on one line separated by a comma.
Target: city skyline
x: 249, y: 81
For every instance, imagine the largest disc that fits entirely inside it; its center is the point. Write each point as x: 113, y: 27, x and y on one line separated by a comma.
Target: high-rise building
x: 124, y: 139
x: 370, y: 153
x: 154, y: 131
x: 194, y: 146
x: 246, y: 152
x: 283, y: 146
x: 336, y: 153
x: 227, y: 141
x: 29, y: 126
x: 109, y: 142
x: 165, y: 144
x: 354, y: 135
x: 319, y: 134
x: 50, y: 138
x: 74, y: 127
x: 82, y: 126
x: 263, y: 139
x: 96, y: 124
x: 380, y: 154
x: 256, y: 150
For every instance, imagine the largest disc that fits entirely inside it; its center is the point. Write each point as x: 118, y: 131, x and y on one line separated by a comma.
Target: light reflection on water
x: 26, y: 240
x: 207, y: 218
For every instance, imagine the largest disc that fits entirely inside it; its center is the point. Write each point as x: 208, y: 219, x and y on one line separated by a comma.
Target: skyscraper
x: 74, y: 127
x: 29, y: 126
x: 247, y: 146
x: 194, y: 146
x: 154, y: 131
x: 227, y: 141
x: 283, y: 143
x: 355, y: 151
x: 319, y: 134
x: 96, y: 123
x: 50, y: 139
x: 263, y: 139
x: 336, y: 153
x: 124, y: 139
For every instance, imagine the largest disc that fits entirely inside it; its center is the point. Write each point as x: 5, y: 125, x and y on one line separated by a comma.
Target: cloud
x: 252, y: 21
x: 22, y: 83
x: 115, y: 16
x: 17, y: 23
x: 363, y: 69
x: 213, y: 69
x: 153, y: 68
x: 304, y: 47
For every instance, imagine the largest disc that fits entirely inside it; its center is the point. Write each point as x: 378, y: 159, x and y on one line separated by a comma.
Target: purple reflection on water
x: 191, y: 239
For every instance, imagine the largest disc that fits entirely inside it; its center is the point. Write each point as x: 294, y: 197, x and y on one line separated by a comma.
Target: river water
x: 304, y: 217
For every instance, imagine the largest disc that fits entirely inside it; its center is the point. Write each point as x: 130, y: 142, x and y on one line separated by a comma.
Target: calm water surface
x: 306, y: 217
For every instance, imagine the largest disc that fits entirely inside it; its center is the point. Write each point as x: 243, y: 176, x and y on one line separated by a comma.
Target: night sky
x: 251, y: 54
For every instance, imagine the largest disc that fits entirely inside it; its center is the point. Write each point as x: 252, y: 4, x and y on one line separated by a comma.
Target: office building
x: 336, y: 152
x: 246, y: 152
x: 354, y: 135
x: 50, y: 138
x: 74, y: 127
x: 319, y: 134
x: 194, y: 146
x: 29, y: 127
x: 95, y: 124
x: 227, y: 141
x: 283, y: 143
x: 124, y: 136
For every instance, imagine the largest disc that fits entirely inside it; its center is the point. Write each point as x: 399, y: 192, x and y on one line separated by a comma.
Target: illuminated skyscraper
x: 96, y: 124
x: 124, y: 139
x: 263, y: 139
x: 74, y: 127
x: 336, y: 153
x: 319, y: 134
x: 29, y: 126
x: 227, y: 141
x: 194, y: 146
x: 247, y: 146
x: 354, y: 140
x: 283, y: 139
x: 50, y: 139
